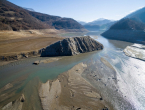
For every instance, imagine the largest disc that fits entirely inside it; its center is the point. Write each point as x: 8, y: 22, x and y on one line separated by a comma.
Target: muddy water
x: 119, y: 79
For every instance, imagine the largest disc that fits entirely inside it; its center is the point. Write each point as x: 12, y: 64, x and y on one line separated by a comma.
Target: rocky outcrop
x: 136, y: 51
x: 71, y: 46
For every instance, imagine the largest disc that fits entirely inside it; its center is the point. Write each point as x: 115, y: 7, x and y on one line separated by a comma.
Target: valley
x: 51, y: 60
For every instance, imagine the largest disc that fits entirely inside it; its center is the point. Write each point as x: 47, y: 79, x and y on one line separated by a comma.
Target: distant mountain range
x: 99, y: 24
x: 131, y: 28
x: 13, y: 17
x: 82, y: 22
x: 29, y: 9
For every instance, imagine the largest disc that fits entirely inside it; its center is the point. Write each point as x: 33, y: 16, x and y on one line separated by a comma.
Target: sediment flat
x: 23, y: 45
x: 70, y: 91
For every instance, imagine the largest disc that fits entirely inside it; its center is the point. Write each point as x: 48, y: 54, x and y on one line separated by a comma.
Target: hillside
x: 16, y: 18
x: 130, y: 28
x: 29, y: 9
x: 138, y: 15
x: 128, y: 24
x: 13, y: 17
x: 56, y: 21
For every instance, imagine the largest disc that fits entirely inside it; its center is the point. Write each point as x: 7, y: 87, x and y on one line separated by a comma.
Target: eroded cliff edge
x: 71, y: 46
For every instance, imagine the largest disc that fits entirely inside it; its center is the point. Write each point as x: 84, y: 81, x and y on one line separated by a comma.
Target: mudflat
x: 70, y: 91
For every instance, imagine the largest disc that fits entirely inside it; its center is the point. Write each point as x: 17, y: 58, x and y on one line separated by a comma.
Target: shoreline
x: 71, y: 91
x: 68, y: 91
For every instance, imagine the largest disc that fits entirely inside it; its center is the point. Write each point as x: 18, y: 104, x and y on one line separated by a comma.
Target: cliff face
x: 71, y: 46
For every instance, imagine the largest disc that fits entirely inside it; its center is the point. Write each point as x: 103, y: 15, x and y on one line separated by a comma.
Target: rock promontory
x: 71, y: 46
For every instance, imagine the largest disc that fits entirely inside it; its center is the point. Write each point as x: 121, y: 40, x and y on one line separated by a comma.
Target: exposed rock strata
x: 71, y: 46
x: 135, y: 51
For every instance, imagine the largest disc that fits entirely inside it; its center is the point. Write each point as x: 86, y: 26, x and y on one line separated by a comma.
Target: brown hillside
x: 16, y: 18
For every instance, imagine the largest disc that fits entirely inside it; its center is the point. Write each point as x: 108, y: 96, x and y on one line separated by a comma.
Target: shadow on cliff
x: 71, y: 46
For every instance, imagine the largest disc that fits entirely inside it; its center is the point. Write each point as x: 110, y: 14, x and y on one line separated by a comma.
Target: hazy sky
x: 83, y: 10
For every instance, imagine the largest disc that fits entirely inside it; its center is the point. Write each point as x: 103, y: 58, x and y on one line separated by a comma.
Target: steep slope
x: 128, y: 24
x: 71, y: 46
x: 138, y: 15
x: 15, y: 18
x: 130, y: 28
x: 56, y: 21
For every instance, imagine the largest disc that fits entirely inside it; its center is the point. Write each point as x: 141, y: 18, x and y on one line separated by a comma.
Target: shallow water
x: 129, y: 72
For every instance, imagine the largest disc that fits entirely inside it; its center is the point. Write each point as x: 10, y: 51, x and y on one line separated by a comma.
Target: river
x: 123, y: 86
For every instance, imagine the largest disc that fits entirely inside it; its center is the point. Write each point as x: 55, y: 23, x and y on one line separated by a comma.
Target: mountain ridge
x: 131, y: 28
x: 99, y: 24
x: 13, y: 17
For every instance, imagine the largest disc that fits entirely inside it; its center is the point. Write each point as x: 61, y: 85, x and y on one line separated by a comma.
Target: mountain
x: 99, y: 24
x: 92, y: 27
x: 138, y: 15
x: 128, y: 24
x: 56, y: 21
x: 131, y: 28
x: 13, y: 17
x: 107, y: 25
x: 82, y: 22
x: 29, y: 9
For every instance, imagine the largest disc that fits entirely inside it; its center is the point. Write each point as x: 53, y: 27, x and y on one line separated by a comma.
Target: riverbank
x: 70, y: 91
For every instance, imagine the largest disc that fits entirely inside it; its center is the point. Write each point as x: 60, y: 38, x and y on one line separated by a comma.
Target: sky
x: 83, y: 10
